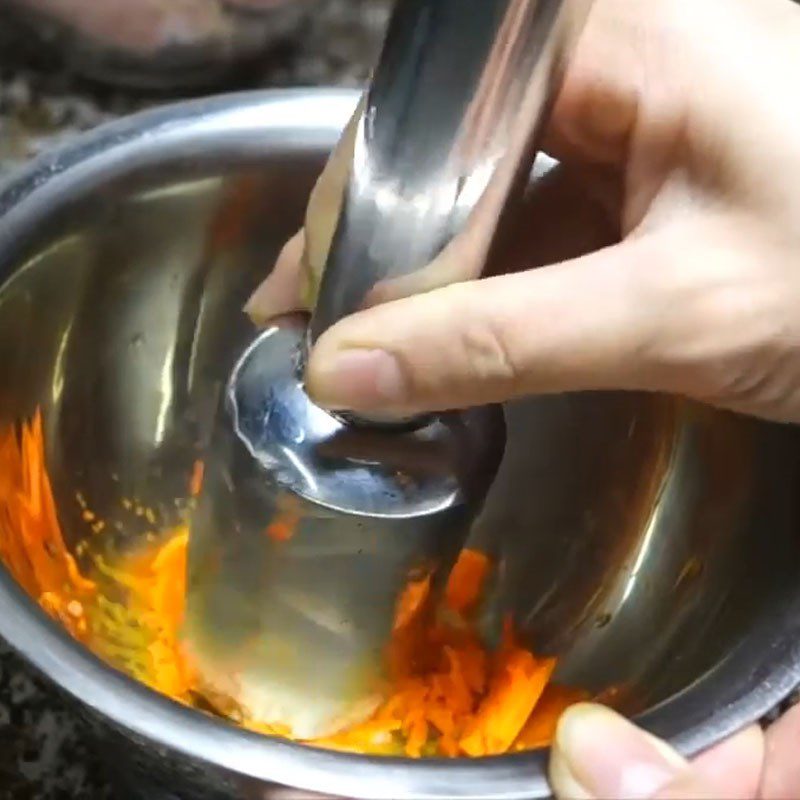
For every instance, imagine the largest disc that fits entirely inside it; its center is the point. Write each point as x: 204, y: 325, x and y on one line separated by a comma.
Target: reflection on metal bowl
x: 652, y: 544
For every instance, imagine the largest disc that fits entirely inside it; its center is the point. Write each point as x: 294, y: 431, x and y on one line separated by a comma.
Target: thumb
x: 598, y: 754
x: 581, y: 324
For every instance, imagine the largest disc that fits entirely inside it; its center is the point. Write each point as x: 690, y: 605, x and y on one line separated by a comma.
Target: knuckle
x: 486, y: 353
x: 731, y: 330
x: 760, y: 381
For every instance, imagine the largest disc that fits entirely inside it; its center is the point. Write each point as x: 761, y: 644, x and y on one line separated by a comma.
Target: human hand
x: 678, y: 116
x: 598, y: 754
x: 680, y: 193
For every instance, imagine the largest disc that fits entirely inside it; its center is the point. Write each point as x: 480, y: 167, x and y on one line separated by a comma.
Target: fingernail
x: 357, y: 380
x: 599, y: 754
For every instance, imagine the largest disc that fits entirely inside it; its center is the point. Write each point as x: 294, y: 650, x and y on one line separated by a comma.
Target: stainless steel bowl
x: 651, y: 543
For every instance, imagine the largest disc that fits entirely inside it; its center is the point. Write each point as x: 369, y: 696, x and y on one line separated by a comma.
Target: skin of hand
x: 680, y: 115
x: 677, y: 128
x: 598, y: 754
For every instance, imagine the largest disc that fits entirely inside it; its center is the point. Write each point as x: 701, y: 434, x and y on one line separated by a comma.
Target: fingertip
x: 360, y: 379
x: 781, y: 773
x: 735, y: 765
x: 600, y: 754
x: 279, y: 293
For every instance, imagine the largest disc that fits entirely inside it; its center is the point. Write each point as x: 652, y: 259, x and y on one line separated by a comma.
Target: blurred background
x: 69, y: 65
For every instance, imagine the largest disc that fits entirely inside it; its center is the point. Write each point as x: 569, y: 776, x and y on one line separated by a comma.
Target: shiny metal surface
x: 423, y: 160
x: 433, y: 157
x: 339, y: 467
x: 368, y: 511
x: 652, y: 543
x: 446, y: 130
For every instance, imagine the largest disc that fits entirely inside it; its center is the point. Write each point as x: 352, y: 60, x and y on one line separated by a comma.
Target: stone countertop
x: 43, y: 755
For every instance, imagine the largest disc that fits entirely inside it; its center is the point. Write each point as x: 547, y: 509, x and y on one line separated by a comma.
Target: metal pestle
x: 310, y: 525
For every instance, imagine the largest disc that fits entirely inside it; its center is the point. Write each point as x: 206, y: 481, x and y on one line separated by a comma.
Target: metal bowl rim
x: 142, y: 712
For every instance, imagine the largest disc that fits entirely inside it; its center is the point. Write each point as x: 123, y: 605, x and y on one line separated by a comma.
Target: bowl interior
x: 642, y: 539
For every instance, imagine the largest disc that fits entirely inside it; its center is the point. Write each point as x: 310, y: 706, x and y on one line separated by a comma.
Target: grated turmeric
x: 31, y: 544
x: 449, y: 696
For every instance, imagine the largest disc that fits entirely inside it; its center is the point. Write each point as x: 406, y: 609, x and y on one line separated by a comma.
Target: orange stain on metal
x: 448, y: 696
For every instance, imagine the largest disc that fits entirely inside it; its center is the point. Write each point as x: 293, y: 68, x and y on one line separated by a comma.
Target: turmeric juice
x: 449, y: 696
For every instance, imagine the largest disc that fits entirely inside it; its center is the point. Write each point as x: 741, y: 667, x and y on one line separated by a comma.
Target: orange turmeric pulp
x: 449, y: 696
x: 31, y: 544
